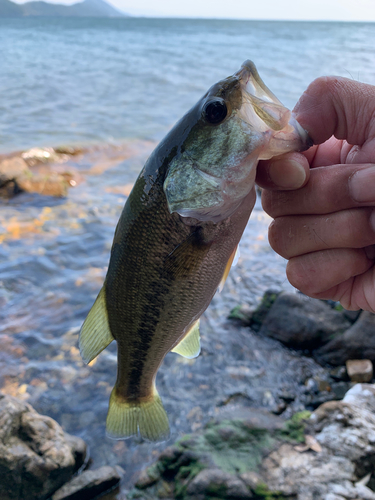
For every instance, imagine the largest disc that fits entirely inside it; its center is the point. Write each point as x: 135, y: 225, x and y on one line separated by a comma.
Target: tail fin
x: 126, y: 419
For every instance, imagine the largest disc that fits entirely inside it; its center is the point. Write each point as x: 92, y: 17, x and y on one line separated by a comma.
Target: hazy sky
x: 340, y: 10
x: 346, y: 10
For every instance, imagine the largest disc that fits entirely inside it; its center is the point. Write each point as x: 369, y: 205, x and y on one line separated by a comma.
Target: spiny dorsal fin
x: 190, y: 346
x: 233, y: 258
x: 128, y: 418
x: 95, y: 334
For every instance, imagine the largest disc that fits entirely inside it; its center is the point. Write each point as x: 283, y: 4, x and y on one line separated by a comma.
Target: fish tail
x: 128, y: 418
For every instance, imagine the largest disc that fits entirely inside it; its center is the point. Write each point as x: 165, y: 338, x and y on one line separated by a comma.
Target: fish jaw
x: 277, y: 127
x: 216, y: 166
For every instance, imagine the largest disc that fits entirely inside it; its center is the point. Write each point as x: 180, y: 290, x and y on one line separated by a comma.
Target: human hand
x: 322, y: 200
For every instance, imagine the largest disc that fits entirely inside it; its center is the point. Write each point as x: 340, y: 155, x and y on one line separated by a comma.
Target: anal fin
x: 190, y: 346
x: 233, y: 259
x: 95, y: 334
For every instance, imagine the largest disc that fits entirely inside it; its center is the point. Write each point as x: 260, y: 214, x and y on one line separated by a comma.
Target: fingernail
x: 287, y: 174
x: 362, y: 185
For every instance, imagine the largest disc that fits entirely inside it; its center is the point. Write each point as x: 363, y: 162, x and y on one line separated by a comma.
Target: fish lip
x: 268, y: 114
x: 248, y: 73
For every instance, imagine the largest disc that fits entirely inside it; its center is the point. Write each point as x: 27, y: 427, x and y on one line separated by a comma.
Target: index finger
x: 340, y: 107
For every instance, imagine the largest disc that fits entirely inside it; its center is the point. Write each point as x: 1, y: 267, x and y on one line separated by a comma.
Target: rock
x: 359, y: 370
x: 38, y: 170
x: 90, y: 484
x: 362, y: 396
x: 48, y: 185
x: 36, y: 458
x: 303, y: 323
x: 231, y: 458
x: 40, y: 155
x: 339, y: 373
x: 79, y: 451
x: 215, y: 482
x: 11, y: 168
x: 357, y: 342
x: 255, y: 317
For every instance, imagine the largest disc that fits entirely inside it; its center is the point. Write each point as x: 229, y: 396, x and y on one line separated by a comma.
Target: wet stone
x: 36, y: 456
x: 90, y: 484
x: 11, y: 168
x: 215, y: 482
x: 303, y: 323
x: 357, y: 342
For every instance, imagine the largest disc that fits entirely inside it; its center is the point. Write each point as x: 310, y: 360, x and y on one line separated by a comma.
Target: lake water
x: 116, y: 86
x: 89, y: 80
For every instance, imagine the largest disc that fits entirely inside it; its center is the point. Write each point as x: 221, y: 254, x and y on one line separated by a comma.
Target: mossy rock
x: 231, y: 446
x: 294, y: 429
x: 262, y: 492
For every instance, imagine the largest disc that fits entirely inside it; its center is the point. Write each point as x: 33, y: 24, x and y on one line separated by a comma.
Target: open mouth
x: 262, y: 110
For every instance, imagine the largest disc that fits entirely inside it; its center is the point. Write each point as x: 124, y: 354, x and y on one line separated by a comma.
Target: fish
x: 177, y: 237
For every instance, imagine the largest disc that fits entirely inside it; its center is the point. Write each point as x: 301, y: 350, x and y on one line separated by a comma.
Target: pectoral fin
x: 233, y: 259
x: 187, y: 257
x: 95, y: 334
x: 190, y: 346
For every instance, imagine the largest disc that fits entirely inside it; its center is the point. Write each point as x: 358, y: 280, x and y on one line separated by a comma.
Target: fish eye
x: 215, y: 111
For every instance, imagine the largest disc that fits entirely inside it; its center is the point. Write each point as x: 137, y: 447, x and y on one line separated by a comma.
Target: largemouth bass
x: 176, y: 239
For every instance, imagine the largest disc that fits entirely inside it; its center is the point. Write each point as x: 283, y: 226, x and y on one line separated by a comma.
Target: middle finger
x: 291, y: 236
x: 328, y: 190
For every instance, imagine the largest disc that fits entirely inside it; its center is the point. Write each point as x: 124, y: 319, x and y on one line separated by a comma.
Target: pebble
x: 359, y: 370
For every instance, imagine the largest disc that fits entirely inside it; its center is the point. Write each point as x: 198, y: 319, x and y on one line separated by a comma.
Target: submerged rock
x: 36, y: 456
x: 239, y: 458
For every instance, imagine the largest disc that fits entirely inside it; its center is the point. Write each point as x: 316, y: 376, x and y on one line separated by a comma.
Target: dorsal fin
x: 190, y: 346
x: 233, y: 259
x: 95, y: 334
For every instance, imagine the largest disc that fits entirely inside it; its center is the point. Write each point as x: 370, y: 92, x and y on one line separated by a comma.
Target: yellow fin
x: 190, y: 346
x: 125, y: 419
x: 95, y: 334
x: 233, y: 257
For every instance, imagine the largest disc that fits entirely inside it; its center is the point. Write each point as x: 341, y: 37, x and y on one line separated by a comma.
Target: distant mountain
x: 87, y: 8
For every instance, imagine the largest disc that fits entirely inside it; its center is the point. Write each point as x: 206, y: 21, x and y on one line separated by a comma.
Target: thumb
x: 338, y: 106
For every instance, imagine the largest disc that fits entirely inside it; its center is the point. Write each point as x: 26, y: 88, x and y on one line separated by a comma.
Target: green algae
x: 256, y: 317
x: 262, y: 492
x: 233, y: 446
x: 185, y: 475
x: 293, y: 429
x: 239, y: 313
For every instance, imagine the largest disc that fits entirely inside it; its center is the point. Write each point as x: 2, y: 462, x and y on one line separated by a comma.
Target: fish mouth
x: 263, y: 111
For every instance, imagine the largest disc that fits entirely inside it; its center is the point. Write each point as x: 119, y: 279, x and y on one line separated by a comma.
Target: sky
x: 330, y: 10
